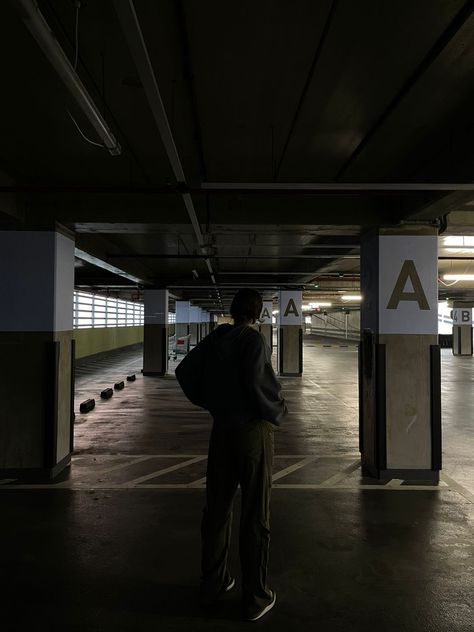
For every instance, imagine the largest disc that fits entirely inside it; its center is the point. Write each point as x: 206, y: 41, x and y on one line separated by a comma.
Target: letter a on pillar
x: 405, y: 260
x: 291, y: 308
x: 408, y: 272
x: 266, y: 315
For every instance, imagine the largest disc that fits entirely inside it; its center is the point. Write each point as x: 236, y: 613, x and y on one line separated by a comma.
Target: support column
x: 182, y: 318
x: 399, y: 362
x: 204, y: 323
x: 265, y: 323
x: 37, y: 351
x: 212, y: 322
x: 195, y: 324
x: 155, y: 341
x: 290, y: 333
x: 462, y: 329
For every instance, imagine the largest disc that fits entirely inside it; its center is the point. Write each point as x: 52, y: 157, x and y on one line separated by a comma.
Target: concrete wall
x: 91, y: 341
x: 334, y: 325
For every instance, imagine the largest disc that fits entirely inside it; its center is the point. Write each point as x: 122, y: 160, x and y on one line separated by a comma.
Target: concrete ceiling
x: 272, y: 108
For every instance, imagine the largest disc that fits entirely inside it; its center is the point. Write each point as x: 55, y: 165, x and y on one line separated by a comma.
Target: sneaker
x: 230, y: 585
x: 264, y: 610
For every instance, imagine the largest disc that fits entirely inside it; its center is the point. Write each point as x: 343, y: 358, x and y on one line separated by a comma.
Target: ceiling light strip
x: 95, y: 261
x: 38, y: 27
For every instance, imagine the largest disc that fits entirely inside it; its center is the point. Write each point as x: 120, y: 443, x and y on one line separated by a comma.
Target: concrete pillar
x: 399, y: 376
x: 462, y: 329
x: 265, y: 323
x: 195, y: 324
x: 203, y: 331
x: 155, y: 341
x: 290, y: 333
x: 212, y: 322
x: 37, y: 351
x: 182, y: 318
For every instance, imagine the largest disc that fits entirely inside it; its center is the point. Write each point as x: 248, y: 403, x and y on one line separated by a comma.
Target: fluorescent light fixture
x: 310, y: 306
x: 351, y: 297
x: 459, y: 249
x: 95, y: 261
x: 458, y: 277
x: 459, y: 241
x: 38, y: 27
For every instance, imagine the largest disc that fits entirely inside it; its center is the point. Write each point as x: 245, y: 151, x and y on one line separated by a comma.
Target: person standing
x: 230, y: 374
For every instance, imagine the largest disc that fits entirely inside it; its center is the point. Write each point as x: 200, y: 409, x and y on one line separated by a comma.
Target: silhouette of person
x: 230, y: 374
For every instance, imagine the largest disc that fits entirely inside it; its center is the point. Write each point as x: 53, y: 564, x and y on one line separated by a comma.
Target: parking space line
x: 115, y: 468
x: 172, y: 468
x: 294, y: 468
x: 457, y: 487
x: 336, y: 478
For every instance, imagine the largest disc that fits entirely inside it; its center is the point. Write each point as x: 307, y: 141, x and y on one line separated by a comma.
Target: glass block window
x: 93, y: 310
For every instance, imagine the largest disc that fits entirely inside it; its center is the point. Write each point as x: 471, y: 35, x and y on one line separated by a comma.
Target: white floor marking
x: 340, y: 476
x: 457, y: 487
x: 199, y: 482
x: 293, y: 468
x: 395, y: 482
x: 140, y: 459
x: 172, y: 468
x: 336, y: 482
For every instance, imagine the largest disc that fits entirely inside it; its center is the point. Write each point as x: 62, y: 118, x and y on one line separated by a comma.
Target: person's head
x: 246, y: 306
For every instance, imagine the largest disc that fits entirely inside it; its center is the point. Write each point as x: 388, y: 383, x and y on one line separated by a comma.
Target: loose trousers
x: 238, y: 455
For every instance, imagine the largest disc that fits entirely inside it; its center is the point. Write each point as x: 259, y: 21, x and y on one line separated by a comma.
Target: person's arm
x: 261, y: 382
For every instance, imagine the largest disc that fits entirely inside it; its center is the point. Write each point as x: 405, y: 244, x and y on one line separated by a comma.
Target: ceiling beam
x: 309, y: 79
x: 335, y: 255
x: 296, y: 188
x: 441, y: 43
x: 334, y: 187
x: 133, y: 34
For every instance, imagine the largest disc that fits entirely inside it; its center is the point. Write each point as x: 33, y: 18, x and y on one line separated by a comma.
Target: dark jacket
x: 230, y: 374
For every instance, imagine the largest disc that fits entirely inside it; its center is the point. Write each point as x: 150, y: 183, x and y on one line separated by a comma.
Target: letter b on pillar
x: 462, y: 330
x: 399, y: 376
x: 290, y: 333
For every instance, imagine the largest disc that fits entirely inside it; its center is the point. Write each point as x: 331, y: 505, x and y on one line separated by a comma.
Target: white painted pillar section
x: 400, y: 411
x: 155, y: 340
x: 36, y: 290
x: 38, y: 282
x: 182, y: 318
x: 182, y: 312
x: 265, y: 323
x: 462, y: 330
x: 290, y: 333
x: 195, y: 324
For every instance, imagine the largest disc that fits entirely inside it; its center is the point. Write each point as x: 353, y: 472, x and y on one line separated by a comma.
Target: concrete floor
x: 114, y: 545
